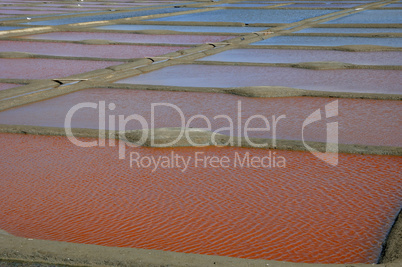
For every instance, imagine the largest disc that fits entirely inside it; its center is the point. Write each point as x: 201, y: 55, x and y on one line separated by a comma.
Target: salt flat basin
x: 351, y: 30
x: 306, y: 212
x: 296, y: 56
x: 259, y: 2
x: 370, y: 16
x: 325, y: 5
x: 113, y: 16
x: 6, y: 28
x: 4, y: 86
x: 125, y: 27
x: 393, y: 5
x: 28, y: 12
x: 242, y: 5
x: 330, y: 41
x: 129, y: 38
x: 341, y: 80
x: 36, y: 68
x: 360, y: 121
x: 249, y: 16
x: 84, y: 50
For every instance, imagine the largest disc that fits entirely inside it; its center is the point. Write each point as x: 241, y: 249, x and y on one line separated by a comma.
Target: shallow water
x: 83, y: 50
x: 393, y: 5
x: 28, y: 12
x: 330, y: 41
x: 370, y: 16
x: 296, y: 56
x: 123, y: 27
x: 325, y: 5
x: 4, y: 86
x: 306, y: 212
x: 249, y: 16
x: 6, y: 28
x: 341, y: 80
x: 350, y: 30
x: 360, y: 121
x: 35, y: 68
x: 129, y: 38
x: 105, y: 17
x: 242, y: 5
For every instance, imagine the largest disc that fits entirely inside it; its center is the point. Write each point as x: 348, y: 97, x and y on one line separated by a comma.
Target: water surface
x: 123, y: 27
x: 37, y: 68
x: 341, y: 80
x: 350, y: 30
x: 83, y: 50
x: 296, y: 56
x: 330, y: 41
x: 370, y: 16
x: 128, y: 38
x: 250, y: 15
x: 306, y: 212
x: 360, y: 121
x: 105, y: 17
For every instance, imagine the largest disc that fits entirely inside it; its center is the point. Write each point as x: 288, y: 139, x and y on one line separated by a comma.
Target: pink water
x: 82, y: 50
x: 367, y: 122
x: 4, y: 86
x: 129, y: 38
x: 36, y: 68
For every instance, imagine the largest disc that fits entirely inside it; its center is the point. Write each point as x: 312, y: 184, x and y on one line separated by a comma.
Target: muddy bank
x: 392, y: 252
x: 70, y: 254
x: 197, y: 137
x: 24, y: 250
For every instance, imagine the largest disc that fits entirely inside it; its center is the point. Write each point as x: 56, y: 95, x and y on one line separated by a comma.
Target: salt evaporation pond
x: 128, y: 38
x: 123, y: 27
x: 340, y: 80
x: 38, y: 68
x: 269, y: 213
x: 361, y: 121
x: 330, y: 41
x: 84, y: 50
x: 297, y: 56
x: 249, y: 16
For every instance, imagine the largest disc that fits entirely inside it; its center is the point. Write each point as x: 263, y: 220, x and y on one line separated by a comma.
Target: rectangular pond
x: 36, y: 68
x: 125, y: 27
x: 7, y: 28
x: 323, y: 5
x: 360, y: 121
x: 307, y: 211
x: 330, y: 41
x: 128, y: 38
x: 341, y: 80
x: 249, y: 16
x: 112, y: 16
x: 351, y: 30
x: 4, y: 86
x: 297, y: 56
x: 243, y: 5
x: 370, y: 17
x: 28, y: 12
x: 85, y: 50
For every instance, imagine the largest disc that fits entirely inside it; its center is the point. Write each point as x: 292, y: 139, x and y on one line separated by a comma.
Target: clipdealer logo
x: 330, y: 155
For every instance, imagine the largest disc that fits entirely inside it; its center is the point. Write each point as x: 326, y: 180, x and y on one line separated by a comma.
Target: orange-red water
x: 305, y: 212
